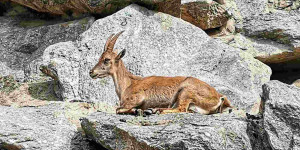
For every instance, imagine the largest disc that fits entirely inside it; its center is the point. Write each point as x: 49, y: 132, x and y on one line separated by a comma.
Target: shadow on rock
x: 257, y: 134
x: 80, y: 142
x: 45, y: 91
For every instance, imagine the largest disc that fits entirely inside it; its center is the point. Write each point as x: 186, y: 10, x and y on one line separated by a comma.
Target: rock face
x: 77, y: 7
x: 259, y: 48
x: 157, y: 44
x: 35, y: 128
x: 204, y: 15
x: 185, y: 131
x: 284, y: 4
x: 280, y: 26
x: 259, y: 20
x: 74, y: 6
x: 297, y: 83
x: 281, y: 115
x: 22, y: 42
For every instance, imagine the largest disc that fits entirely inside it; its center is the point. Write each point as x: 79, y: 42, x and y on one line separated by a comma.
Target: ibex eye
x: 106, y: 61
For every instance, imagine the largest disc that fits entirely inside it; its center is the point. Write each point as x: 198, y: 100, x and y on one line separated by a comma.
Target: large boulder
x: 255, y: 18
x: 206, y: 15
x: 283, y: 5
x: 259, y: 48
x: 157, y: 44
x: 52, y: 125
x: 24, y: 39
x: 35, y: 128
x: 172, y: 131
x: 297, y: 83
x: 281, y: 115
x: 100, y: 7
x: 281, y: 26
x: 268, y: 29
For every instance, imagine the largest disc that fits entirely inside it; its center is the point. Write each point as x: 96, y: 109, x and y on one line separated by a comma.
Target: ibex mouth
x: 101, y: 76
x: 95, y: 76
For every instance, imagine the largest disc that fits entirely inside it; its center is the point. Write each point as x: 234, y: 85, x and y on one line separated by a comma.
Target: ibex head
x: 109, y: 60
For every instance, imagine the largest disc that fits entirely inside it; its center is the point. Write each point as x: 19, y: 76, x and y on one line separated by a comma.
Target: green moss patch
x: 43, y: 90
x: 276, y: 35
x: 8, y: 84
x: 59, y: 1
x: 32, y: 23
x: 17, y: 10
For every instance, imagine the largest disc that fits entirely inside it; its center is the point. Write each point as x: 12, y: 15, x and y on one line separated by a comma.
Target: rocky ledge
x: 172, y: 131
x: 276, y: 127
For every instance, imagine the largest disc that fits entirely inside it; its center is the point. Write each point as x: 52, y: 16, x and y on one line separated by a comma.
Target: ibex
x: 163, y: 94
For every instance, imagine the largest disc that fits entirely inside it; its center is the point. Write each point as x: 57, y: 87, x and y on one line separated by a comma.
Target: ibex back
x: 166, y: 94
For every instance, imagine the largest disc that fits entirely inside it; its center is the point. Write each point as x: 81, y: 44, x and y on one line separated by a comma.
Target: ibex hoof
x: 148, y: 112
x: 151, y: 111
x: 138, y: 112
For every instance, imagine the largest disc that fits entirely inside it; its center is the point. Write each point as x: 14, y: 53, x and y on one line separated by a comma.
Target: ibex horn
x: 110, y: 43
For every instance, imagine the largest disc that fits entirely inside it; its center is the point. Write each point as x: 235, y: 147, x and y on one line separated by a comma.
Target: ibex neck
x: 123, y: 79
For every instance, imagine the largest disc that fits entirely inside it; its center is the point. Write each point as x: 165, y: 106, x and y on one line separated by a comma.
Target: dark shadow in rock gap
x: 80, y: 142
x: 255, y: 130
x: 215, y: 32
x: 286, y: 72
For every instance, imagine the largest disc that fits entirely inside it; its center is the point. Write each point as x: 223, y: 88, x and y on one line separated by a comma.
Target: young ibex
x: 165, y: 94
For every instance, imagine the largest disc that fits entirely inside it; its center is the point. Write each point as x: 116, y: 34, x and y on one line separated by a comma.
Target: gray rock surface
x: 258, y: 47
x: 157, y: 44
x: 23, y: 41
x: 255, y: 18
x: 185, y: 131
x: 35, y: 128
x: 281, y: 115
x: 280, y: 26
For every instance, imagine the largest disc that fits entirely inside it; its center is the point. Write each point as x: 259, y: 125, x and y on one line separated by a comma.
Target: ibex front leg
x: 129, y: 106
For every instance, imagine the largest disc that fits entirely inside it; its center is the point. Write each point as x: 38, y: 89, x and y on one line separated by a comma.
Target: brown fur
x: 168, y: 94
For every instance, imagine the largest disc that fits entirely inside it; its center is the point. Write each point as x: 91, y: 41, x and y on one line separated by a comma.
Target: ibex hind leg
x: 126, y: 111
x: 196, y: 109
x: 183, y: 106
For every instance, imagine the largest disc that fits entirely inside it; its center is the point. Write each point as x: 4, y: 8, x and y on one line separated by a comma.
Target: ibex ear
x: 120, y: 55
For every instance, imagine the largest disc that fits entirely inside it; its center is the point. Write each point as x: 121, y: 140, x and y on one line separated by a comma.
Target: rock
x: 263, y: 25
x: 103, y: 8
x: 258, y: 48
x: 280, y: 26
x: 283, y: 5
x: 200, y: 1
x: 297, y: 83
x: 23, y: 41
x: 80, y: 142
x: 254, y: 19
x: 157, y: 44
x: 171, y: 7
x: 280, y: 58
x: 241, y: 9
x: 206, y: 15
x: 177, y: 131
x: 75, y: 6
x: 35, y: 128
x: 281, y: 115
